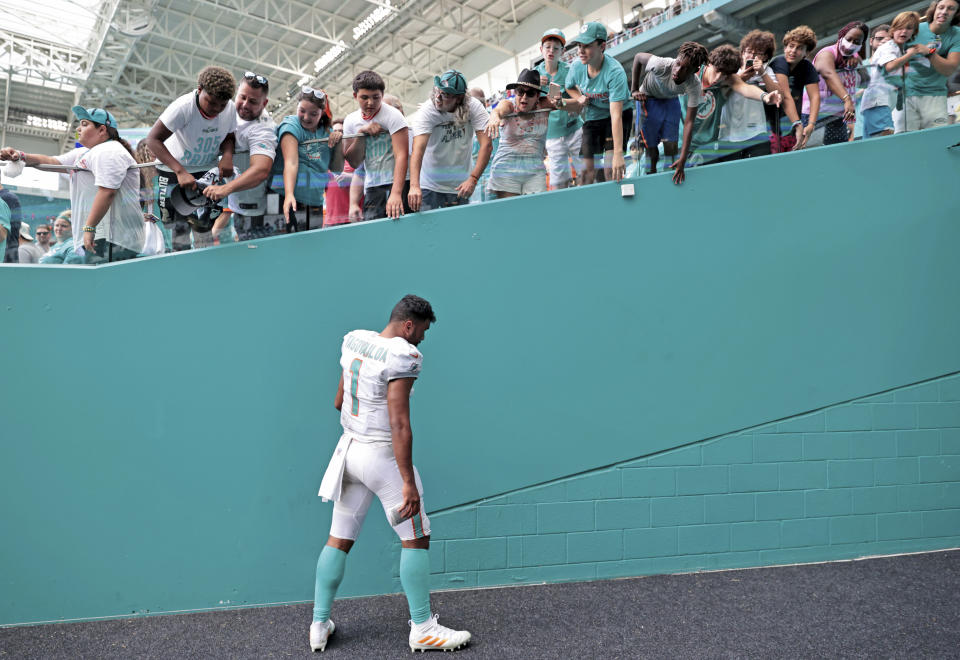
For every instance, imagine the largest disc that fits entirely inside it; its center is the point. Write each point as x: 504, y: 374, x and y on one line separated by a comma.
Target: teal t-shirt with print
x: 922, y: 78
x: 706, y: 125
x: 562, y: 123
x: 314, y: 155
x: 610, y: 84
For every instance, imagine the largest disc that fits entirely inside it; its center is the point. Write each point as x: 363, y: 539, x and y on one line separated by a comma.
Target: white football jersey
x: 369, y: 363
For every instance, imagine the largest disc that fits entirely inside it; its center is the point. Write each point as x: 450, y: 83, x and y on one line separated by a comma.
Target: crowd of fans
x: 203, y: 174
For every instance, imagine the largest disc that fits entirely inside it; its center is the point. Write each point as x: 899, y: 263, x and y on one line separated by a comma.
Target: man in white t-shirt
x: 375, y: 457
x: 188, y: 139
x: 443, y: 132
x: 382, y: 151
x: 256, y: 147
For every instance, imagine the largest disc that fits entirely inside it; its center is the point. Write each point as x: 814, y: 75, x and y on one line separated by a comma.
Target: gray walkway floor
x: 898, y: 607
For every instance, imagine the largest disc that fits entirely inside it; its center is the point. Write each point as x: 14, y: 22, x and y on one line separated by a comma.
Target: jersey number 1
x: 354, y: 386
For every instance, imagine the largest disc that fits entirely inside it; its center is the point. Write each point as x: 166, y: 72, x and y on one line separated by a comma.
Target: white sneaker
x: 319, y: 634
x: 430, y: 635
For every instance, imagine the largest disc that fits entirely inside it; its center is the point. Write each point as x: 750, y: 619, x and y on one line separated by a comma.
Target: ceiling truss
x: 142, y: 54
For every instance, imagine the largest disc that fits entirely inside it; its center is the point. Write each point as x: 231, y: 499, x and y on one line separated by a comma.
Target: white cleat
x: 319, y: 634
x: 431, y: 636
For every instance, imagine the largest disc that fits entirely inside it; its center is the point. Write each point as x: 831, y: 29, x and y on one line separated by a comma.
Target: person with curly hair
x: 795, y: 75
x: 256, y: 149
x: 718, y: 82
x: 838, y: 68
x: 189, y: 138
x: 743, y: 126
x: 657, y: 84
x: 927, y: 77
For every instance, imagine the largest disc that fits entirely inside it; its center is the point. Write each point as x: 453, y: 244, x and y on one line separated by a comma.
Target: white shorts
x: 561, y: 153
x: 371, y: 469
x: 520, y: 185
x: 926, y: 112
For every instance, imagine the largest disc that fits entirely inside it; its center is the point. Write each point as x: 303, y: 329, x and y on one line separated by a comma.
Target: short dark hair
x: 725, y: 59
x: 932, y: 9
x: 411, y: 307
x: 368, y: 80
x: 693, y: 52
x: 218, y: 82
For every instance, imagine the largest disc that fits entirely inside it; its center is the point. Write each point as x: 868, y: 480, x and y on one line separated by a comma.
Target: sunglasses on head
x: 256, y: 79
x: 316, y: 93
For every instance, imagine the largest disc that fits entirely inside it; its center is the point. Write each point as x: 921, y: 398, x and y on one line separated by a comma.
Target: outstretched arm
x: 260, y: 165
x: 9, y: 153
x: 678, y: 174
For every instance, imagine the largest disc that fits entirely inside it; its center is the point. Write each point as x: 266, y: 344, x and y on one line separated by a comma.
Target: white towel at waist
x: 332, y: 485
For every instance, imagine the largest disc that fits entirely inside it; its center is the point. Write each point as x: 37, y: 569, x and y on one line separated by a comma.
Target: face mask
x: 848, y: 48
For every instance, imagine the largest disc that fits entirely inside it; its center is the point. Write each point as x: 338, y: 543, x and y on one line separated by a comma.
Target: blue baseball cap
x: 96, y: 115
x: 451, y: 82
x: 554, y: 33
x: 589, y: 33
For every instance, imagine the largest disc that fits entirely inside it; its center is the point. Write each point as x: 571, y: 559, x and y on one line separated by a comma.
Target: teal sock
x: 330, y: 569
x: 415, y: 578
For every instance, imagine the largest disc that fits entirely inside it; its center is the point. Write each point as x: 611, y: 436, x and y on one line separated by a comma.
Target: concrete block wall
x: 876, y: 475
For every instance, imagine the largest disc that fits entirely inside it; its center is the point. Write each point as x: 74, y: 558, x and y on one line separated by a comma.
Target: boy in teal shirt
x: 927, y: 77
x: 564, y: 133
x: 718, y: 81
x: 597, y: 83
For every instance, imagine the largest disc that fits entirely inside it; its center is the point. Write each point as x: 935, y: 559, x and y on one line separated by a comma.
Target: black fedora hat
x: 528, y: 78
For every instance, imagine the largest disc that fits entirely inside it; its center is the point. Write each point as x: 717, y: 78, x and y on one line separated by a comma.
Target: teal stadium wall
x: 757, y: 367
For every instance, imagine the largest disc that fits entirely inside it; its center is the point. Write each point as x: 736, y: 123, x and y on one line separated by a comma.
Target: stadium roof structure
x: 135, y: 56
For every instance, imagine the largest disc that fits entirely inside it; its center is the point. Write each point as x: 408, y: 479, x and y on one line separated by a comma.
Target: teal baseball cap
x: 554, y: 33
x: 451, y: 82
x: 96, y: 115
x: 590, y: 32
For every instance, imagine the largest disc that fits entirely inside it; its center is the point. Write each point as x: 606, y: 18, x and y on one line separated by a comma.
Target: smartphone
x: 749, y: 62
x: 395, y: 518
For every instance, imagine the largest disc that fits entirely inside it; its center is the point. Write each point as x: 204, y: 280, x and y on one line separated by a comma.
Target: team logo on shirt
x: 708, y: 104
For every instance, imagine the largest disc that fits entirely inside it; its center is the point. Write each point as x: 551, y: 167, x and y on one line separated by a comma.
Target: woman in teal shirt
x: 308, y: 151
x: 62, y: 251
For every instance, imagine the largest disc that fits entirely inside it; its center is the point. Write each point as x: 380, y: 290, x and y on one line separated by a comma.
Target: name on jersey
x: 367, y: 349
